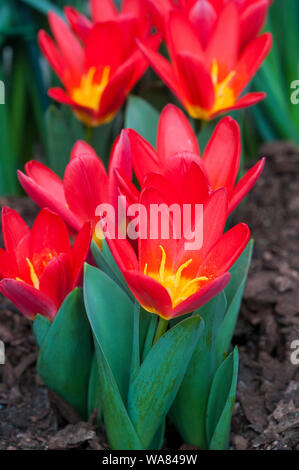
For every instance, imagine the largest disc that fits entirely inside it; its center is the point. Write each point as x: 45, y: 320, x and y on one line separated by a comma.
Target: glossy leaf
x: 65, y: 356
x: 94, y: 390
x: 41, y: 326
x: 155, y: 386
x: 221, y: 402
x: 143, y: 118
x: 189, y: 409
x: 110, y: 312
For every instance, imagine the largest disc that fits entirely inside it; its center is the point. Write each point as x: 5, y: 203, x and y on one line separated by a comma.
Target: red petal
x: 8, y: 266
x: 222, y: 155
x: 69, y: 45
x: 85, y: 185
x: 80, y: 252
x: 245, y: 185
x: 141, y: 63
x: 203, y: 16
x: 247, y: 100
x: 182, y: 37
x: 144, y: 157
x: 46, y: 178
x: 44, y: 198
x: 149, y: 293
x: 56, y: 280
x: 225, y: 41
x: 250, y: 61
x: 252, y: 21
x: 121, y: 161
x: 103, y: 10
x: 58, y: 94
x: 14, y: 229
x: 28, y: 300
x: 83, y: 149
x: 123, y: 253
x: 202, y: 296
x: 196, y: 81
x: 49, y: 233
x: 110, y: 53
x: 79, y: 23
x: 175, y: 134
x: 52, y: 54
x: 225, y: 252
x: 163, y: 68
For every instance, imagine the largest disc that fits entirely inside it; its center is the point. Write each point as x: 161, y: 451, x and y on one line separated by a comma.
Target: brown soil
x: 266, y: 413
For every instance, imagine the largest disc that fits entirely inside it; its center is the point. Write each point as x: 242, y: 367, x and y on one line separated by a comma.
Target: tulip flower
x: 99, y: 73
x: 203, y: 15
x: 209, y: 78
x: 166, y: 278
x: 176, y: 138
x: 85, y: 185
x: 38, y: 267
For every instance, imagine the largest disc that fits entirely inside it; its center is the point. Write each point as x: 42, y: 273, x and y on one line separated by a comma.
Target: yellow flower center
x: 89, y: 94
x: 224, y: 95
x: 178, y: 286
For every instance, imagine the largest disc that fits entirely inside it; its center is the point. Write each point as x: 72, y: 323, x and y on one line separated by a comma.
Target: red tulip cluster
x: 215, y: 49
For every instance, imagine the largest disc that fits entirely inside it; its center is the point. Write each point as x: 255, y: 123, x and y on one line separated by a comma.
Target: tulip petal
x: 222, y: 155
x: 79, y: 23
x: 196, y: 81
x: 28, y: 301
x: 8, y: 266
x: 225, y: 252
x: 49, y: 233
x: 14, y: 229
x: 149, y: 293
x: 60, y: 95
x: 250, y: 61
x: 56, y: 280
x: 80, y: 252
x: 82, y: 149
x: 202, y: 296
x: 144, y: 157
x: 52, y: 54
x: 43, y: 176
x: 173, y: 122
x: 109, y: 50
x: 182, y: 37
x: 246, y: 184
x: 103, y: 10
x: 204, y: 17
x: 85, y: 185
x: 70, y: 47
x: 252, y: 21
x: 121, y: 162
x: 225, y: 41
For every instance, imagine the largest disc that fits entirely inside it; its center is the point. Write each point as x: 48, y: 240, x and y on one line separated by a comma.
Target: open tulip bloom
x: 211, y: 61
x: 99, y: 71
x: 39, y: 268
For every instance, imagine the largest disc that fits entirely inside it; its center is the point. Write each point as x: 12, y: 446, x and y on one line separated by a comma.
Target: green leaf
x: 221, y: 402
x: 189, y: 409
x: 155, y: 386
x: 143, y: 118
x: 94, y: 390
x: 40, y: 326
x: 65, y: 356
x: 234, y: 292
x: 63, y: 129
x: 43, y: 6
x: 110, y: 312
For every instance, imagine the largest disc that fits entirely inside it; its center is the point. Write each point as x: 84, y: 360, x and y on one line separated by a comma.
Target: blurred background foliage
x: 31, y: 126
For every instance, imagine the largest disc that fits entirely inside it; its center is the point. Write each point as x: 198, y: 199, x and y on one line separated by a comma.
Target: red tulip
x: 165, y: 277
x: 99, y: 73
x: 39, y: 267
x: 177, y: 144
x: 85, y: 184
x: 209, y: 76
x: 203, y: 14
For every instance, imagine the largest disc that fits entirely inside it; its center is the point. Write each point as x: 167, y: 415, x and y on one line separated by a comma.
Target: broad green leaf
x: 63, y: 130
x: 40, y: 326
x: 143, y: 118
x: 111, y: 313
x: 154, y: 388
x: 65, y: 356
x: 94, y: 390
x: 189, y: 409
x: 234, y: 292
x: 221, y: 402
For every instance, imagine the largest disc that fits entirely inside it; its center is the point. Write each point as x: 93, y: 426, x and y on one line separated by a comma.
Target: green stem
x: 88, y: 134
x: 162, y: 327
